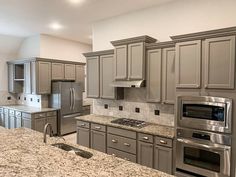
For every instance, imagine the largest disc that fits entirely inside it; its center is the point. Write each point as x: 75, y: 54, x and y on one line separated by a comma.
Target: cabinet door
x: 58, y: 70
x: 168, y: 94
x: 18, y: 122
x: 7, y: 121
x: 80, y: 75
x: 26, y: 122
x: 53, y: 122
x: 121, y: 63
x: 39, y: 124
x: 145, y: 154
x: 27, y: 75
x: 13, y: 86
x: 98, y: 141
x: 69, y: 71
x: 163, y: 159
x: 106, y: 77
x: 136, y: 64
x: 2, y: 123
x: 154, y: 75
x: 12, y: 120
x: 93, y: 77
x: 220, y: 62
x: 83, y: 137
x: 188, y: 64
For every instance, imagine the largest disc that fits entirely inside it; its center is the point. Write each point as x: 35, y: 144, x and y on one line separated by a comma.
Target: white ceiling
x: 29, y: 17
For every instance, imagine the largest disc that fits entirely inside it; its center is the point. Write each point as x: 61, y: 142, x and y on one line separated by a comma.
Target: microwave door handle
x: 216, y: 148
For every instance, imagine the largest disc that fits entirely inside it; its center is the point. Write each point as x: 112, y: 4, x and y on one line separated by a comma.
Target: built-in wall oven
x: 205, y: 113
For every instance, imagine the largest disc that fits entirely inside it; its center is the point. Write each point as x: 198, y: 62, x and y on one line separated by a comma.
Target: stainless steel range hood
x: 129, y: 84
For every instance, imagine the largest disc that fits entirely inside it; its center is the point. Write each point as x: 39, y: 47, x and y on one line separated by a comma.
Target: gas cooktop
x: 130, y: 122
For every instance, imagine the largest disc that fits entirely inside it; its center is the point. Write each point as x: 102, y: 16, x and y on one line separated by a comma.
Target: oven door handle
x: 216, y: 147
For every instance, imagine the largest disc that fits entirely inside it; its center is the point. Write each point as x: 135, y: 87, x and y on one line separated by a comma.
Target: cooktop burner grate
x: 130, y: 122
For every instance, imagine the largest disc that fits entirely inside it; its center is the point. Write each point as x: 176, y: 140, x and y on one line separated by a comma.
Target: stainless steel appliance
x: 205, y: 113
x: 67, y: 96
x: 130, y: 122
x: 200, y: 153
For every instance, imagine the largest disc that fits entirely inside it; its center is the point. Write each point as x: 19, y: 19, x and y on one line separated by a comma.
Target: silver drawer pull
x: 126, y: 144
x: 114, y: 141
x: 97, y: 127
x: 127, y: 159
x: 145, y: 138
x: 82, y: 125
x: 113, y: 155
x: 163, y: 142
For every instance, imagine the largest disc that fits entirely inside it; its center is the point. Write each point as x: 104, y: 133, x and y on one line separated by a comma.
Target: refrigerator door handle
x: 73, y: 90
x: 70, y: 98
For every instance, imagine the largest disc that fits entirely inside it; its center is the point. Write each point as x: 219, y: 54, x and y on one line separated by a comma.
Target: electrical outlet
x: 106, y: 106
x: 137, y: 110
x: 8, y: 98
x: 120, y: 108
x: 157, y: 112
x: 38, y: 100
x: 25, y: 98
x: 19, y: 98
x: 31, y: 99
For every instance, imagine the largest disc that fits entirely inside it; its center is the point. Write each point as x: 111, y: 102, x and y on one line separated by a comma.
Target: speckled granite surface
x: 24, y: 154
x: 28, y: 109
x: 152, y: 129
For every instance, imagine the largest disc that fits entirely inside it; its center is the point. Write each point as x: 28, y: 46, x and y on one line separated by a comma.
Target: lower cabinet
x: 26, y: 122
x: 39, y: 124
x: 145, y: 154
x: 11, y: 122
x: 98, y: 140
x: 83, y: 136
x: 18, y: 122
x: 121, y: 154
x: 53, y: 122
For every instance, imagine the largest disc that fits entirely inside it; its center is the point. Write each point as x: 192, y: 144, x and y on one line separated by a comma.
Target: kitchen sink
x: 74, y: 150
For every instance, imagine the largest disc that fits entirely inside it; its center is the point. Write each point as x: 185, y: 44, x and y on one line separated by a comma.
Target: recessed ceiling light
x: 55, y: 26
x: 76, y: 1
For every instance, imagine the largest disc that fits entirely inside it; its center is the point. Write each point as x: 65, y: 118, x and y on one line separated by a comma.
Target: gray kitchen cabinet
x: 93, y: 77
x: 145, y: 154
x: 106, y: 77
x: 220, y: 62
x: 6, y: 117
x: 58, y: 71
x: 163, y: 159
x: 121, y: 154
x: 154, y: 61
x: 83, y: 136
x: 136, y: 61
x: 41, y: 77
x: 168, y: 75
x: 53, y: 122
x: 27, y: 76
x: 2, y: 123
x: 12, y: 122
x: 80, y: 75
x: 39, y: 124
x: 121, y: 63
x: 69, y: 71
x: 26, y: 122
x: 98, y: 140
x: 18, y: 122
x: 14, y: 86
x: 188, y: 64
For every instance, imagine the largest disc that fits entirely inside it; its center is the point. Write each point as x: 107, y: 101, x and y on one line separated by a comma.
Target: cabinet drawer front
x: 11, y: 112
x: 98, y: 127
x: 121, y: 132
x: 5, y: 111
x: 1, y: 110
x: 26, y: 115
x: 121, y: 143
x: 82, y: 124
x: 145, y: 137
x: 40, y: 115
x: 163, y: 141
x: 53, y: 113
x: 120, y: 154
x: 18, y: 114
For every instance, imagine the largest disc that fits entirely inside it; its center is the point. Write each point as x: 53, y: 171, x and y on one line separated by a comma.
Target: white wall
x: 177, y: 17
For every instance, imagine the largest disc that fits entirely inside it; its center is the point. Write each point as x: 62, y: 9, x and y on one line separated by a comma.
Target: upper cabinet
x: 69, y: 71
x: 206, y: 59
x: 80, y: 75
x: 129, y: 58
x: 58, y: 71
x: 100, y: 74
x: 161, y: 72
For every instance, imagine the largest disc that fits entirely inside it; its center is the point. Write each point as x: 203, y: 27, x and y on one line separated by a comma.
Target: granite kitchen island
x: 23, y: 153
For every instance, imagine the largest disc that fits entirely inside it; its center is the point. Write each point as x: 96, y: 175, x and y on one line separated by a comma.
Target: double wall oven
x: 203, y: 146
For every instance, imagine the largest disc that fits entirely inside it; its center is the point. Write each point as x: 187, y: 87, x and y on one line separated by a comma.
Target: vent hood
x: 129, y: 84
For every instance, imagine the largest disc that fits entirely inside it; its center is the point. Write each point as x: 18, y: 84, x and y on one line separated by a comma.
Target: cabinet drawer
x: 121, y: 143
x: 82, y: 124
x: 98, y: 127
x: 26, y: 115
x: 11, y: 112
x: 18, y: 114
x: 121, y: 132
x: 50, y: 114
x: 40, y: 115
x: 123, y: 155
x: 163, y: 141
x: 145, y: 137
x: 1, y: 110
x: 5, y: 111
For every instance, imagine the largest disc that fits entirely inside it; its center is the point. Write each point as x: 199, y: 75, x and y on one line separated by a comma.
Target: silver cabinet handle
x: 82, y: 125
x: 97, y: 127
x: 113, y: 155
x: 126, y: 159
x: 114, y: 141
x: 163, y: 142
x: 145, y: 138
x: 126, y: 144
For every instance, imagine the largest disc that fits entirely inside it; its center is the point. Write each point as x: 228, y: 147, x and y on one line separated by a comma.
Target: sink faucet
x: 45, y: 132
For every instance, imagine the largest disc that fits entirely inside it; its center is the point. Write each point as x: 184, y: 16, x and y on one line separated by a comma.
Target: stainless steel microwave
x: 205, y: 113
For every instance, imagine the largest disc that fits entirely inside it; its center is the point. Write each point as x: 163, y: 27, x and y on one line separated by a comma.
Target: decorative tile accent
x: 39, y: 101
x: 4, y: 95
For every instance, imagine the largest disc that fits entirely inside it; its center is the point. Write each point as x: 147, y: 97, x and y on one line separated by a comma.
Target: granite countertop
x: 23, y: 153
x: 28, y: 109
x: 153, y: 129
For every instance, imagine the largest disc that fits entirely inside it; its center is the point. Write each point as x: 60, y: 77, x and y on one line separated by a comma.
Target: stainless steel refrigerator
x: 67, y: 96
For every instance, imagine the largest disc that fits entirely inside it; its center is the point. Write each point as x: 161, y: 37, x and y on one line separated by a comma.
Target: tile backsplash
x: 40, y: 101
x: 7, y: 98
